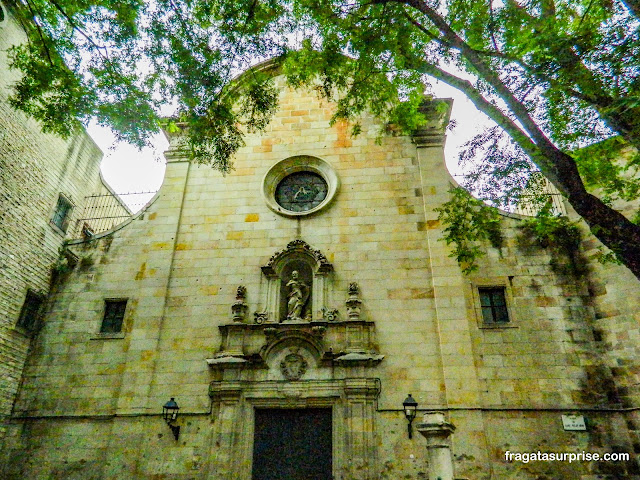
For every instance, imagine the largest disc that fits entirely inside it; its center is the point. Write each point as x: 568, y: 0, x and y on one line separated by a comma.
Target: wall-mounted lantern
x: 410, y: 410
x: 170, y: 415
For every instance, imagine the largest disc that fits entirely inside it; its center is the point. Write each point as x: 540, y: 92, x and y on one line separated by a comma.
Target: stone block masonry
x: 35, y: 168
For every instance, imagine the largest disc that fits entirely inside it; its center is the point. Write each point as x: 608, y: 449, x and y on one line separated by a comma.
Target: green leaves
x: 258, y: 103
x: 560, y: 234
x: 572, y: 64
x: 549, y: 230
x: 469, y: 222
x: 212, y: 137
x: 125, y: 63
x: 355, y: 57
x: 51, y: 93
x: 612, y: 168
x: 557, y: 75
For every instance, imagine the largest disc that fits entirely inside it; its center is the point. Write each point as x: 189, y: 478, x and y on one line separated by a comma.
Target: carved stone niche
x: 297, y: 269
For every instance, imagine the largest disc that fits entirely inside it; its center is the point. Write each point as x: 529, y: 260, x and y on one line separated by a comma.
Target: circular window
x: 301, y: 191
x: 299, y: 186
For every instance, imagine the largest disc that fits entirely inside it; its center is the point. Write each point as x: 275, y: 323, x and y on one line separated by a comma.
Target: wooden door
x: 292, y: 444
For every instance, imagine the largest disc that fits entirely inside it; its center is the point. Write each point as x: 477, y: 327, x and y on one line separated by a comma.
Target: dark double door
x: 292, y: 444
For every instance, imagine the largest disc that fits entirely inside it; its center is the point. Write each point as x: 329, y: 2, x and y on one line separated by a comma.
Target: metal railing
x: 531, y: 205
x: 105, y: 211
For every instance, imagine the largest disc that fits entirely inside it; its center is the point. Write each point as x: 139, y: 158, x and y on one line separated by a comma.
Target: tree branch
x: 40, y: 34
x: 75, y: 27
x: 621, y: 121
x: 557, y: 165
x: 425, y: 30
x: 633, y: 6
x: 491, y: 110
x: 492, y: 33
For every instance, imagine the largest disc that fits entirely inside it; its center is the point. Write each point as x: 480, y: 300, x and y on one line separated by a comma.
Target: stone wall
x: 90, y: 402
x: 549, y: 361
x: 34, y: 169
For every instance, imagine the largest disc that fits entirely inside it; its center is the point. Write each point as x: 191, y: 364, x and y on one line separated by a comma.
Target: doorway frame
x: 258, y: 407
x: 352, y: 403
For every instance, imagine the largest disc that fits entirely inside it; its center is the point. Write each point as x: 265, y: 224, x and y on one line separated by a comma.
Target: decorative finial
x: 239, y: 308
x: 353, y: 302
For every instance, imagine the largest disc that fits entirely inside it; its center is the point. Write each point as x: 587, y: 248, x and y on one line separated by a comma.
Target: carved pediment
x: 297, y: 248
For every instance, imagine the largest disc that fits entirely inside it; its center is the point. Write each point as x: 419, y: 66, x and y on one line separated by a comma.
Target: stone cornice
x: 438, y: 114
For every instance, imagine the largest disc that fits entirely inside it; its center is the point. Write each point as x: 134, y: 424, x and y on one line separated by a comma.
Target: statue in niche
x: 297, y: 298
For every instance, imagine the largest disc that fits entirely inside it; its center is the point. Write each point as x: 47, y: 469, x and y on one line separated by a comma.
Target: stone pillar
x: 229, y: 457
x: 454, y: 327
x: 437, y: 431
x: 360, y: 460
x: 137, y: 389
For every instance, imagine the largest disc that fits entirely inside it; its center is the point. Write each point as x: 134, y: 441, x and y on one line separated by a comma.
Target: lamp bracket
x: 175, y: 429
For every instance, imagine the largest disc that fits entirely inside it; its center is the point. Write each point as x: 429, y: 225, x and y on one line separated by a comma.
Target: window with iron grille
x: 113, y: 316
x: 31, y: 311
x: 62, y: 213
x: 493, y: 304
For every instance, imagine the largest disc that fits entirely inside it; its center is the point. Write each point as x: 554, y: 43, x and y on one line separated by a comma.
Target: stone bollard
x: 437, y: 430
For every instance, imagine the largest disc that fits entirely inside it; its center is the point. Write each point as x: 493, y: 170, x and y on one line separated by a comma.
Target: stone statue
x: 298, y: 296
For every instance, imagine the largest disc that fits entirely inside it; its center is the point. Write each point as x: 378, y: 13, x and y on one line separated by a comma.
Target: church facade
x: 290, y: 307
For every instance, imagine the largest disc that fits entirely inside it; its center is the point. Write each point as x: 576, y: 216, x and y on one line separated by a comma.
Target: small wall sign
x: 574, y: 422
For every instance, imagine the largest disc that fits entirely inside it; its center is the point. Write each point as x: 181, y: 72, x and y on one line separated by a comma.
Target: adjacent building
x: 43, y: 184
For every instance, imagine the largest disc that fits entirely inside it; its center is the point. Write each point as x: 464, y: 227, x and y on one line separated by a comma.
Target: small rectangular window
x: 113, y: 316
x: 493, y: 304
x: 31, y: 311
x: 62, y: 213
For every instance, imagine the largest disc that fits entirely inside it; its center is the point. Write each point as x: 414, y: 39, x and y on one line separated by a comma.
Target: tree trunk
x: 610, y: 227
x: 633, y: 6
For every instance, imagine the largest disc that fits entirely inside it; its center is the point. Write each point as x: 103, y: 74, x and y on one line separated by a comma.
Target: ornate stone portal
x: 297, y: 280
x: 297, y: 353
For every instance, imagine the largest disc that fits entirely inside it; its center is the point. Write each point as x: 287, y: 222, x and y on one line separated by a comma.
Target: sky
x: 128, y: 170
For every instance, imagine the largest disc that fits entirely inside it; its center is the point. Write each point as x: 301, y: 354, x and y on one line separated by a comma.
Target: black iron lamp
x: 410, y: 409
x: 170, y: 415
